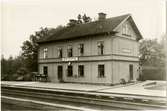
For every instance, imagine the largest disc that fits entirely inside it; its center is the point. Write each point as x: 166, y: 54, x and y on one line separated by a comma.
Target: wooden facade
x: 106, y: 58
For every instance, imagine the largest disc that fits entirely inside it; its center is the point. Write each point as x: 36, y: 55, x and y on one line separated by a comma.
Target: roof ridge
x: 128, y: 14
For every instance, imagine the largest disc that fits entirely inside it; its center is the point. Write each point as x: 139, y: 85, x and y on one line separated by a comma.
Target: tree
x: 152, y: 53
x: 80, y: 20
x: 10, y: 67
x: 72, y: 22
x: 30, y: 47
x: 86, y: 19
x: 3, y: 67
x: 152, y: 60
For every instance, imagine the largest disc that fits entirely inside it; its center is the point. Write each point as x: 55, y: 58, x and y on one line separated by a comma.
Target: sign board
x: 126, y: 50
x: 70, y: 59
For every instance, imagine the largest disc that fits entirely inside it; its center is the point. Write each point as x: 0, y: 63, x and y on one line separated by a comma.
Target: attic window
x: 126, y: 30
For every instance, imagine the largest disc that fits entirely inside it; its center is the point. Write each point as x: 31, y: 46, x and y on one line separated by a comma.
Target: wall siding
x: 119, y: 52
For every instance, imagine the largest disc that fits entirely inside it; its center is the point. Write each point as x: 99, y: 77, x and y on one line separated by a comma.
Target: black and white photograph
x: 83, y: 55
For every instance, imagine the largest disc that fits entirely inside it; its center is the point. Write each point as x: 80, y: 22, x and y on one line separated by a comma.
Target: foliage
x: 86, y: 19
x: 10, y: 66
x: 152, y: 53
x: 80, y: 20
x: 152, y: 59
x: 30, y: 48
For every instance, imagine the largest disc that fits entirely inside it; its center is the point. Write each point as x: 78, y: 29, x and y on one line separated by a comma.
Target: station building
x: 103, y: 51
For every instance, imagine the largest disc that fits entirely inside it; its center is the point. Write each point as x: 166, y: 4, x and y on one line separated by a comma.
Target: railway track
x: 90, y: 99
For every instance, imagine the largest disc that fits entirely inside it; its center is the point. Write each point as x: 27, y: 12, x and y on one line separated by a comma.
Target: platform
x: 134, y: 88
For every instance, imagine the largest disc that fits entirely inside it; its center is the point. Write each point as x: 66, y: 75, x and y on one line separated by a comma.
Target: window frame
x: 45, y: 70
x: 126, y: 30
x: 60, y: 52
x: 81, y: 70
x: 69, y: 71
x: 101, y: 70
x: 69, y: 51
x: 81, y: 49
x: 100, y: 46
x: 45, y: 53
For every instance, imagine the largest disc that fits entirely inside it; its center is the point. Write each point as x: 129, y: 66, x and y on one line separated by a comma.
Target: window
x: 45, y: 70
x: 131, y: 71
x: 60, y: 52
x: 123, y: 29
x: 69, y: 71
x: 69, y: 51
x: 100, y: 70
x: 100, y: 48
x: 126, y: 30
x: 45, y: 53
x: 81, y: 70
x: 81, y: 49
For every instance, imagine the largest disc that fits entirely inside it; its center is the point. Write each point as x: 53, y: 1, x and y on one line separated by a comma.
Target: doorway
x: 60, y: 73
x: 131, y: 71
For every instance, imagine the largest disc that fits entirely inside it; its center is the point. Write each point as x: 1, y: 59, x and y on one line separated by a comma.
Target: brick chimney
x: 102, y: 16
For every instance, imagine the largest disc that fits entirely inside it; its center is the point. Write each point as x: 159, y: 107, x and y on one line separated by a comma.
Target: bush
x: 153, y: 73
x: 122, y: 81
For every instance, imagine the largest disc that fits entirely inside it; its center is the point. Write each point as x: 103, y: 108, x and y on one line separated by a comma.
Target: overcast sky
x: 20, y: 18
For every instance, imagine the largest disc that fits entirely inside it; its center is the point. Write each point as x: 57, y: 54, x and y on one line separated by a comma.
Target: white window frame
x: 45, y: 53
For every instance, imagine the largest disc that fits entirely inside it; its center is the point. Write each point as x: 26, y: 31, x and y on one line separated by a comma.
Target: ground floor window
x: 81, y: 70
x: 101, y: 70
x: 69, y: 71
x: 131, y: 71
x: 45, y: 70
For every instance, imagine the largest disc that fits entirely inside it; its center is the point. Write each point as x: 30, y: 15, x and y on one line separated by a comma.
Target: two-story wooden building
x: 103, y: 51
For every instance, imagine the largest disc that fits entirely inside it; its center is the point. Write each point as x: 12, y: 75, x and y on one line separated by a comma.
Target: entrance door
x: 60, y: 73
x: 131, y: 71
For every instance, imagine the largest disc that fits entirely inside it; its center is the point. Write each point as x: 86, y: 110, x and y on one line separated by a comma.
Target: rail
x: 84, y: 97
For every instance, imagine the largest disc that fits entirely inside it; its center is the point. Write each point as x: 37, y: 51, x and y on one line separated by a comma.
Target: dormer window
x: 81, y: 49
x: 60, y: 52
x: 45, y: 53
x: 69, y: 51
x: 100, y: 46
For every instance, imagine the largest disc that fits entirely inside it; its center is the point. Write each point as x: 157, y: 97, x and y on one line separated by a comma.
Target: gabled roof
x: 92, y: 28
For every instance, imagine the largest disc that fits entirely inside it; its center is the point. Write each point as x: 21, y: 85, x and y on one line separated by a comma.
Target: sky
x: 21, y: 18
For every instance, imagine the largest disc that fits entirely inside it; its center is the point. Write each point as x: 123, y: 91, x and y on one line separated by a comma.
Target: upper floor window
x: 81, y: 70
x: 100, y: 46
x: 101, y: 72
x: 81, y: 49
x: 60, y: 52
x: 69, y: 51
x: 126, y: 30
x: 69, y: 71
x: 45, y: 53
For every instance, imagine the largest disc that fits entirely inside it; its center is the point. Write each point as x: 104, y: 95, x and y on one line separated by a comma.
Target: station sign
x: 70, y: 59
x: 126, y: 50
